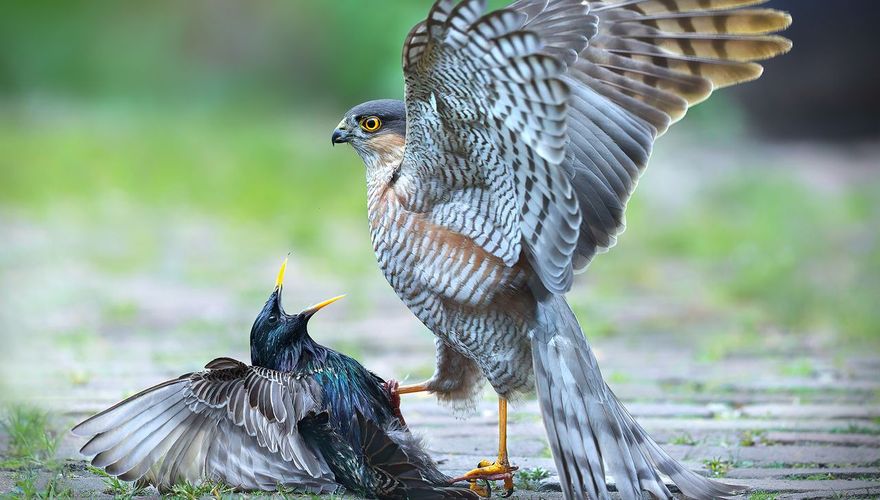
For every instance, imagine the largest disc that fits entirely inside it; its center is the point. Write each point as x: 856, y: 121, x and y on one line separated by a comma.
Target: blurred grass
x: 234, y: 165
x: 115, y: 115
x: 788, y: 255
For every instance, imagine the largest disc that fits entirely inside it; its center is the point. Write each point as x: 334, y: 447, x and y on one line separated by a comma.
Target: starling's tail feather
x: 399, y: 454
x: 586, y: 424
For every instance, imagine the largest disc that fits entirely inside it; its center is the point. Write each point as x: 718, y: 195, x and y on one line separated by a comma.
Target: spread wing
x: 233, y: 422
x: 541, y: 117
x: 486, y: 111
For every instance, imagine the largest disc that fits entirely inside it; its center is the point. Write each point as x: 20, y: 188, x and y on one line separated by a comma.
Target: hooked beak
x: 340, y: 135
x: 308, y: 313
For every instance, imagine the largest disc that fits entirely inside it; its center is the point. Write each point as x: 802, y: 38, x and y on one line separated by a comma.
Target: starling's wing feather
x: 233, y: 422
x: 541, y: 117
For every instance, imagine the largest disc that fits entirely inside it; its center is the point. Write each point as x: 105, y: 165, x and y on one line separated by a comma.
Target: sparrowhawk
x: 508, y: 168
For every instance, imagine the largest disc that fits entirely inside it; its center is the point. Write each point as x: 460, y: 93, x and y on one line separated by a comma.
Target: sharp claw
x: 508, y: 487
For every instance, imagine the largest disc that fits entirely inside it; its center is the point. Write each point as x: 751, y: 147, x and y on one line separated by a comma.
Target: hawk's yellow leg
x: 500, y: 469
x: 409, y: 389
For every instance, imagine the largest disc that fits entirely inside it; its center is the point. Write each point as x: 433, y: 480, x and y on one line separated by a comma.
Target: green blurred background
x: 157, y: 159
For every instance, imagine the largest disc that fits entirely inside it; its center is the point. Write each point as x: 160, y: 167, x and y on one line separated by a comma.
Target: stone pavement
x: 789, y: 415
x: 813, y: 436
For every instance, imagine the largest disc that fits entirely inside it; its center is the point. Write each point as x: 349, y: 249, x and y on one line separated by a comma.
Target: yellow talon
x: 486, y: 469
x: 497, y: 470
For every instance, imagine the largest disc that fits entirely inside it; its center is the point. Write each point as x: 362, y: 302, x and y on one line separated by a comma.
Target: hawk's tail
x: 587, y: 425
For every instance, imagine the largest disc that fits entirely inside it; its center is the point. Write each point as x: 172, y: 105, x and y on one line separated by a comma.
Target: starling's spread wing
x: 233, y: 422
x: 540, y: 117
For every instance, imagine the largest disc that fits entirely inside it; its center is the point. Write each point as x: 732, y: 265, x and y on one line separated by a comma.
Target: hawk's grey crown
x: 389, y: 110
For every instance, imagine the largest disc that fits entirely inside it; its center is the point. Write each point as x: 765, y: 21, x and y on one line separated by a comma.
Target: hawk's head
x: 376, y: 130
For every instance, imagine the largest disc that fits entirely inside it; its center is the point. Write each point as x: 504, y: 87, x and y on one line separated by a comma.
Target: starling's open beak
x: 320, y: 305
x: 340, y: 135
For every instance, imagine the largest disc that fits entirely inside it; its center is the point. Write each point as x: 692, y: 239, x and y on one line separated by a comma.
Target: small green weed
x: 823, y: 476
x: 27, y: 487
x: 530, y: 479
x: 763, y: 495
x: 121, y: 490
x: 802, y: 368
x: 752, y: 437
x: 618, y: 377
x: 685, y: 439
x: 190, y: 491
x: 31, y: 443
x: 855, y: 429
x: 717, y: 467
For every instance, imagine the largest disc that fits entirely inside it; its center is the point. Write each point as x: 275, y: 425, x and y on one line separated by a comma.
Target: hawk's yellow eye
x: 371, y: 123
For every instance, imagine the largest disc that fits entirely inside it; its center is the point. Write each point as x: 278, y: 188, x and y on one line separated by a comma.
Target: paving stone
x: 822, y: 489
x: 864, y: 473
x: 812, y: 411
x: 798, y: 422
x: 780, y: 454
x: 822, y: 438
x: 870, y: 493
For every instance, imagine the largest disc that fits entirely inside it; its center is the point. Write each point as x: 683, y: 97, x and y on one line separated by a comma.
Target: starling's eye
x: 272, y: 318
x: 371, y: 123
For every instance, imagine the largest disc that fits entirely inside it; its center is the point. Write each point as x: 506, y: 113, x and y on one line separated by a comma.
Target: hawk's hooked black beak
x: 340, y: 135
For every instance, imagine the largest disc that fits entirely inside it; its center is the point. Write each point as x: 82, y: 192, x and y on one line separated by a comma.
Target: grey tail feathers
x: 587, y: 425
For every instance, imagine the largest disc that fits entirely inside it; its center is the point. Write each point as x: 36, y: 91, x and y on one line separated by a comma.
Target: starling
x: 301, y: 416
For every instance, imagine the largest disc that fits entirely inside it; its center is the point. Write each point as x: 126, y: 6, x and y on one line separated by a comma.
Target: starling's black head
x: 277, y: 337
x: 373, y: 128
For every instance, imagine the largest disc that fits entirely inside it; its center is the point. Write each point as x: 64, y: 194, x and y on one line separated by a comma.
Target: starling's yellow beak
x: 320, y: 305
x: 279, y: 281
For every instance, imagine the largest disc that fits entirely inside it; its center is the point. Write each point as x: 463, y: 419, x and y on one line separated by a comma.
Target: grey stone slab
x: 812, y: 411
x: 839, y: 439
x: 823, y: 489
x: 780, y: 454
x: 818, y: 489
x: 745, y: 423
x: 864, y: 473
x: 870, y: 492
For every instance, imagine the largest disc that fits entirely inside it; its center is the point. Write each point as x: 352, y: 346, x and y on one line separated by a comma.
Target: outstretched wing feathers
x: 545, y: 87
x: 649, y: 62
x: 485, y: 89
x: 233, y: 422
